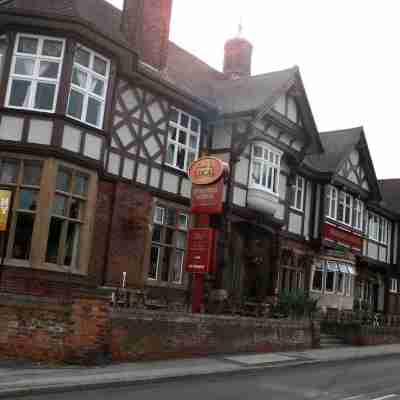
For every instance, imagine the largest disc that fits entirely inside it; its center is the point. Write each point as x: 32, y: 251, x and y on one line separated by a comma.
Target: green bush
x: 295, y: 304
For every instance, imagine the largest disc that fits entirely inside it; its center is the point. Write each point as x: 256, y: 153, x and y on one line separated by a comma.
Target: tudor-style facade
x: 98, y: 125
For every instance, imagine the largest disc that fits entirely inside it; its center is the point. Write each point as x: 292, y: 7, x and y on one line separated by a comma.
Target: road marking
x: 389, y: 396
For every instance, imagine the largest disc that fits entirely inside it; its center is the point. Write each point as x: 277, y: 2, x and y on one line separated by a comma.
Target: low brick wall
x: 386, y: 335
x: 145, y: 335
x: 44, y: 329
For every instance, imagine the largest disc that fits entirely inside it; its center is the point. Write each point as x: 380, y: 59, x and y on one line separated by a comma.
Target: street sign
x: 200, y: 250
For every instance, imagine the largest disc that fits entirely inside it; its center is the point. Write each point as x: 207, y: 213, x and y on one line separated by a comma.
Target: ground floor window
x: 170, y: 225
x: 333, y: 277
x: 51, y: 213
x: 291, y: 279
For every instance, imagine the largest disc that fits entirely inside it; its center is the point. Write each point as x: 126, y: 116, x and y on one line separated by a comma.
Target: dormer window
x: 265, y: 167
x: 89, y: 83
x: 35, y: 73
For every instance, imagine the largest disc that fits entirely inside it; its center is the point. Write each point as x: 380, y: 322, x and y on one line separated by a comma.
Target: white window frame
x: 318, y: 267
x: 268, y: 166
x: 35, y: 79
x: 358, y: 211
x: 378, y: 228
x: 85, y: 92
x: 299, y: 190
x: 332, y: 195
x: 3, y: 57
x: 394, y: 285
x: 176, y: 126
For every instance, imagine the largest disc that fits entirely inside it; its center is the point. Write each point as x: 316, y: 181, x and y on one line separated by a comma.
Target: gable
x: 353, y: 171
x: 287, y: 106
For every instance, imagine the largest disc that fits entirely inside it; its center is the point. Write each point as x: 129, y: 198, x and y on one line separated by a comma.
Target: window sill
x: 299, y: 210
x: 168, y: 285
x: 342, y: 225
x: 12, y: 262
x: 263, y: 189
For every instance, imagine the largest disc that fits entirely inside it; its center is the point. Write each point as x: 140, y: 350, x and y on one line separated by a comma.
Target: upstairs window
x: 377, y: 228
x: 35, y: 73
x: 183, y: 140
x: 297, y: 194
x: 358, y: 209
x: 331, y: 196
x: 89, y: 82
x: 265, y: 168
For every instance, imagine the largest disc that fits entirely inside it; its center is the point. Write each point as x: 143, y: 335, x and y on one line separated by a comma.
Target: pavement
x: 23, y: 379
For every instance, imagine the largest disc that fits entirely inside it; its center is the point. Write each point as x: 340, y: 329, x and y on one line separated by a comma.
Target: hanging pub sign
x: 200, y: 250
x: 206, y: 175
x: 5, y: 203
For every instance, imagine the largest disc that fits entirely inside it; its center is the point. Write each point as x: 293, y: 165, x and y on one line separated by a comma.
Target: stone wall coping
x: 180, y: 317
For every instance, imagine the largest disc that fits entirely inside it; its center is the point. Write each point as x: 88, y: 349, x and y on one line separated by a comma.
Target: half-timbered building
x: 100, y: 117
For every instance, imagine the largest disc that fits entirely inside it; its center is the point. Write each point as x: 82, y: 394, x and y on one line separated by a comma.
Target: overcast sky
x: 347, y: 50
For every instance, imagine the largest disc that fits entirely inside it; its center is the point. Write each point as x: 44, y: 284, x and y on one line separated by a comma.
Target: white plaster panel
x: 297, y: 145
x: 142, y: 173
x: 156, y: 112
x: 307, y: 211
x: 130, y: 99
x: 354, y: 157
x: 280, y: 104
x: 222, y: 137
x: 114, y: 161
x: 155, y: 177
x: 292, y: 109
x: 372, y: 250
x: 186, y: 188
x: 11, y: 128
x: 239, y: 196
x: 273, y: 132
x: 40, y: 131
x: 365, y: 185
x: 382, y: 254
x: 286, y: 138
x: 71, y: 138
x: 317, y: 210
x: 92, y: 147
x: 129, y: 166
x: 242, y: 171
x: 295, y: 223
x: 125, y: 135
x: 282, y: 186
x: 170, y: 183
x: 280, y: 211
x: 285, y: 167
x: 151, y: 145
x: 352, y: 177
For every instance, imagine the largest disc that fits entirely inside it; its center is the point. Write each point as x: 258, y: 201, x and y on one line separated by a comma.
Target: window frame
x: 394, y: 285
x: 176, y: 125
x: 296, y: 190
x: 3, y: 57
x: 378, y: 228
x: 162, y: 245
x: 267, y: 165
x: 86, y: 93
x: 35, y: 78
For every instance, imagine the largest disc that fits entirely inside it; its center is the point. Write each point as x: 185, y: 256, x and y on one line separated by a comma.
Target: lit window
x: 183, y: 140
x: 3, y: 53
x: 265, y: 168
x: 89, y: 82
x: 296, y: 195
x: 23, y: 177
x: 168, y: 245
x: 35, y: 73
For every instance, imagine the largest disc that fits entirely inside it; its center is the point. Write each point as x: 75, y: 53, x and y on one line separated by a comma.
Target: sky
x: 348, y: 52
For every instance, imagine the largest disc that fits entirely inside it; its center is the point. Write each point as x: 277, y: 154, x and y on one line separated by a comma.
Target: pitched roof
x: 336, y: 145
x: 390, y: 191
x: 100, y: 14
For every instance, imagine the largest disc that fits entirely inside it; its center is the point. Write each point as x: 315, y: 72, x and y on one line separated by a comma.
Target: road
x: 373, y: 379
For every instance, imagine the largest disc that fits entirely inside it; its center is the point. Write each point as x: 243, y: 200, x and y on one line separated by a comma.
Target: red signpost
x: 207, y: 176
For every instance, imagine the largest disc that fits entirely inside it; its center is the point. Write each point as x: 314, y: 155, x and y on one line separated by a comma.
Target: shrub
x: 295, y: 304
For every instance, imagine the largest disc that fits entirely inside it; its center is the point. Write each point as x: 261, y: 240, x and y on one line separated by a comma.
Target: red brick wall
x: 130, y: 236
x: 160, y: 335
x: 146, y: 24
x: 44, y: 329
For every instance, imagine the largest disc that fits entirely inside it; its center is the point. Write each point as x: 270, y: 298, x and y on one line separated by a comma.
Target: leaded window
x: 183, y: 139
x: 167, y: 255
x: 35, y: 72
x: 89, y: 82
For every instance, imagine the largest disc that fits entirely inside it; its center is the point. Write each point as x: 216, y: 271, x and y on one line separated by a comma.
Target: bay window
x: 35, y: 73
x: 358, y: 214
x: 296, y: 196
x: 183, y: 140
x: 265, y: 168
x: 89, y: 82
x: 51, y: 214
x: 377, y: 228
x: 331, y: 196
x: 167, y: 254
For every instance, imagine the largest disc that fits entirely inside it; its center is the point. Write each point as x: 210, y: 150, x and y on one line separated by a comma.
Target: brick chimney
x: 146, y: 24
x: 237, y: 57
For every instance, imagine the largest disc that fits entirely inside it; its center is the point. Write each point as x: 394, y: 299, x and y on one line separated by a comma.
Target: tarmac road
x: 368, y: 379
